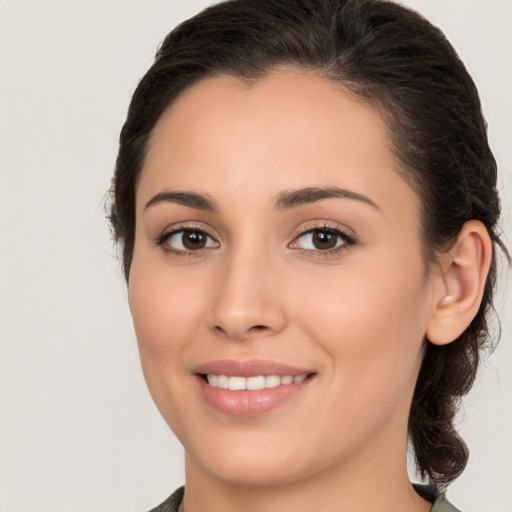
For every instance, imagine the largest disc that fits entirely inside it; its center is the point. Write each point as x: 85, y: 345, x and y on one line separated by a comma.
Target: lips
x: 250, y: 388
x: 251, y: 368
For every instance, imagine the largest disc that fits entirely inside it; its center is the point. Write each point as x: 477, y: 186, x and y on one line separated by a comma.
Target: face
x: 278, y: 256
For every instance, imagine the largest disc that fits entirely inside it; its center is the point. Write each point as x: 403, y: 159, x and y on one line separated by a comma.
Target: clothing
x: 172, y: 503
x: 430, y: 493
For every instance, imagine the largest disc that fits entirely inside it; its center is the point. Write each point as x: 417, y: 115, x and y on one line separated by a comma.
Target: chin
x: 255, y: 473
x: 252, y: 463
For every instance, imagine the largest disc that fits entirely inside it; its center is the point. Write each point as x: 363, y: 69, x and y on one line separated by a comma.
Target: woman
x: 307, y: 206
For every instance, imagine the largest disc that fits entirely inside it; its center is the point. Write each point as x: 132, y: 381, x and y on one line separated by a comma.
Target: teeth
x: 272, y: 381
x: 213, y: 380
x: 255, y: 383
x: 223, y: 382
x: 236, y: 383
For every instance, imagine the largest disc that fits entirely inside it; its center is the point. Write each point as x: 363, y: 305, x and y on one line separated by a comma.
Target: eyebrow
x: 285, y: 200
x: 293, y: 198
x: 190, y: 199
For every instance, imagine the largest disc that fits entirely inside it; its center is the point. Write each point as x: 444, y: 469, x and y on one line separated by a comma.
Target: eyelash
x: 347, y: 241
x: 162, y: 241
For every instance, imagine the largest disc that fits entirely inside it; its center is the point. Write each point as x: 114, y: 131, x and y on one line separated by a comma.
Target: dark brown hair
x: 395, y: 60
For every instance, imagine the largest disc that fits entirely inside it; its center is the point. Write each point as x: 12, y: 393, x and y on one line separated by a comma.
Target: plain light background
x: 78, y: 430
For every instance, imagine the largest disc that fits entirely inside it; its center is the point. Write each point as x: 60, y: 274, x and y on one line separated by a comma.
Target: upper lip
x: 251, y: 368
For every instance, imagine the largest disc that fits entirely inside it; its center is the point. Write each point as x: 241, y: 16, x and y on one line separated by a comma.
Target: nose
x: 247, y: 301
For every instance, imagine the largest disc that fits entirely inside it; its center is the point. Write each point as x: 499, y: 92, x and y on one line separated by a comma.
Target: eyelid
x: 310, y: 227
x: 337, y: 229
x: 186, y: 226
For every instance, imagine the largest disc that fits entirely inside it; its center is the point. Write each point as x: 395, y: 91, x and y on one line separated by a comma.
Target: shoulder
x: 443, y: 505
x: 431, y: 493
x: 172, y: 503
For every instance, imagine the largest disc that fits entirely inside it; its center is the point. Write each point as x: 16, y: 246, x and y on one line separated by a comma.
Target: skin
x: 357, y: 317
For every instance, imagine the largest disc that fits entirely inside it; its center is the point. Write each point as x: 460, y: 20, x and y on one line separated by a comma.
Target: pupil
x: 324, y: 240
x: 193, y: 240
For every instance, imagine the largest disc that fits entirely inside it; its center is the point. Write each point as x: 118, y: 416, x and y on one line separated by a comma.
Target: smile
x: 238, y: 383
x: 246, y: 389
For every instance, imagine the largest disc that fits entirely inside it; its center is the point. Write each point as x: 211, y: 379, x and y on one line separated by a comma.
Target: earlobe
x: 460, y: 284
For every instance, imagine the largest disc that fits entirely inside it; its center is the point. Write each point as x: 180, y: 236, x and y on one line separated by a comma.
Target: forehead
x: 287, y: 130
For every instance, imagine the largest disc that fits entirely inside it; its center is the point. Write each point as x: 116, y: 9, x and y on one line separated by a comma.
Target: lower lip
x: 248, y: 404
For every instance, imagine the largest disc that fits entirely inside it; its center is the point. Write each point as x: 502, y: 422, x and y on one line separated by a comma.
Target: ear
x: 459, y: 284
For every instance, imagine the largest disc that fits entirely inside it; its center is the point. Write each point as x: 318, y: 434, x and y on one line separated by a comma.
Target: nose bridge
x: 247, y: 300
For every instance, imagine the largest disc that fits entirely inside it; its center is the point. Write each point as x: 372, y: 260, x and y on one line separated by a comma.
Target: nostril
x: 241, y: 333
x: 259, y: 330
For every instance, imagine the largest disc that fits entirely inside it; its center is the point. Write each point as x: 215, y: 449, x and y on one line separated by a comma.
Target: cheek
x: 166, y: 311
x: 371, y: 321
x: 164, y: 305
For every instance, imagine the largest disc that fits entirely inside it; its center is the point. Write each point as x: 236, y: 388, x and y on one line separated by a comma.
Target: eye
x: 187, y: 240
x: 322, y: 239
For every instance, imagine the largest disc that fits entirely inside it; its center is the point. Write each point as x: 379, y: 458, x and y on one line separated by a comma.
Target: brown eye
x: 193, y: 240
x: 188, y: 240
x: 324, y: 239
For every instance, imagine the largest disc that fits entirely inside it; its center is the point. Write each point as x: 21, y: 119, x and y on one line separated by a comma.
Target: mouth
x: 251, y: 388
